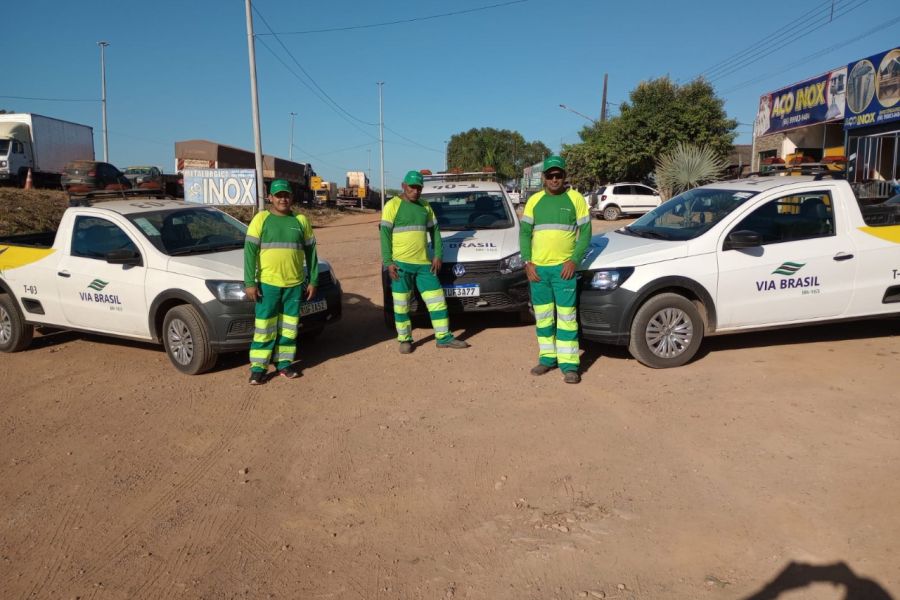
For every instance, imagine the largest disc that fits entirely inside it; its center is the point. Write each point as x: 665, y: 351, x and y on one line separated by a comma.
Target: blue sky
x: 178, y: 70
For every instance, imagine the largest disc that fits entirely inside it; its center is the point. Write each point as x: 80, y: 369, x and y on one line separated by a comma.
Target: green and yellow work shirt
x: 404, y: 225
x: 277, y: 248
x: 555, y: 229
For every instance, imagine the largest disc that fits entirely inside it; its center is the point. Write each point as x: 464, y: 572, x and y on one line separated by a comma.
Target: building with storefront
x: 848, y: 117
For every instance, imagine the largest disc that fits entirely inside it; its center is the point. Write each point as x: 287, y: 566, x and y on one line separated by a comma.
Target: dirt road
x: 453, y: 474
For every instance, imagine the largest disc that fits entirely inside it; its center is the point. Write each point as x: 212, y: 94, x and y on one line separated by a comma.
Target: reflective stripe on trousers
x: 556, y: 319
x: 277, y: 311
x: 412, y: 277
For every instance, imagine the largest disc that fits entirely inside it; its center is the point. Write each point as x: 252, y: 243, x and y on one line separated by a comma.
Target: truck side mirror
x: 124, y: 257
x: 737, y: 240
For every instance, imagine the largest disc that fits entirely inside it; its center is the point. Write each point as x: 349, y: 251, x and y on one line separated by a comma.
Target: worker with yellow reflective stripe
x: 554, y: 236
x: 405, y: 222
x: 279, y: 250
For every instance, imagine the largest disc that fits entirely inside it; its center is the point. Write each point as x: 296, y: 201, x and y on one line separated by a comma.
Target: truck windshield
x: 460, y: 211
x: 191, y: 230
x: 688, y: 215
x: 4, y: 147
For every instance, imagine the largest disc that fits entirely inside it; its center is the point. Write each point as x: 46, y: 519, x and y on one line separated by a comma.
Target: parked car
x: 145, y: 178
x: 144, y: 269
x: 617, y: 199
x: 80, y: 176
x: 732, y: 256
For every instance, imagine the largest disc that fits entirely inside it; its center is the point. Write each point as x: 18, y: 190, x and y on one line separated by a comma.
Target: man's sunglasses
x: 557, y: 175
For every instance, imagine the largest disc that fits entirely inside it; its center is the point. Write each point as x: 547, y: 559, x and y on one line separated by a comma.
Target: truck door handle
x: 63, y: 274
x: 842, y: 256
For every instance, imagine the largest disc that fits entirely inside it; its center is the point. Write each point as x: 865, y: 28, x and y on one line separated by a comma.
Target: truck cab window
x: 95, y: 238
x: 791, y: 218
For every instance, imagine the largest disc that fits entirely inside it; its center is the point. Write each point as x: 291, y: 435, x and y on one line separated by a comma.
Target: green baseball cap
x: 554, y: 162
x: 280, y: 185
x: 413, y: 178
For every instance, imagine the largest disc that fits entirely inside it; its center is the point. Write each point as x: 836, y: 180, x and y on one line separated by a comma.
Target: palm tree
x: 687, y: 166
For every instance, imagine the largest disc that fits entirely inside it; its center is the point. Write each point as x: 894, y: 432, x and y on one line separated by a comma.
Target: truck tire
x: 611, y: 213
x: 666, y: 331
x: 187, y: 340
x: 15, y: 333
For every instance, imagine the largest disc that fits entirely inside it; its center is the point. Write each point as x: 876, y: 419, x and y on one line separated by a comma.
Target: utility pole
x: 369, y: 155
x: 381, y: 131
x: 103, y: 46
x: 254, y: 97
x: 603, y: 107
x: 291, y: 148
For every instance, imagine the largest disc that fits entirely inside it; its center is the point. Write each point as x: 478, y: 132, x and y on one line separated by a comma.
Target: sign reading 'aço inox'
x: 815, y: 100
x: 873, y: 90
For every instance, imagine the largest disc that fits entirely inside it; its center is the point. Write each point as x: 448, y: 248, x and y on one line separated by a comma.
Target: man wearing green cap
x: 278, y: 246
x: 554, y: 236
x: 404, y: 251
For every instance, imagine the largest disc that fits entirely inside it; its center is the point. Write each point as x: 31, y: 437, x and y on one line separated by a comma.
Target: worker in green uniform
x: 279, y: 250
x: 404, y: 252
x: 554, y: 236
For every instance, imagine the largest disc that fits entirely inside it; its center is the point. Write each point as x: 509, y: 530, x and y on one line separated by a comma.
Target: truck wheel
x: 666, y: 331
x: 611, y: 213
x: 15, y: 333
x: 187, y: 341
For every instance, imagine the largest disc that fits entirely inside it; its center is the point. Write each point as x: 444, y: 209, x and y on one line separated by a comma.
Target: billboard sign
x: 815, y: 100
x: 873, y: 90
x: 226, y: 187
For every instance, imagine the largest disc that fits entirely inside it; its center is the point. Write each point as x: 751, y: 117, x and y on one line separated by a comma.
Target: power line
x: 313, y: 81
x: 53, y: 99
x: 400, y: 21
x: 762, y: 54
x: 330, y: 102
x: 751, y: 48
x: 828, y: 50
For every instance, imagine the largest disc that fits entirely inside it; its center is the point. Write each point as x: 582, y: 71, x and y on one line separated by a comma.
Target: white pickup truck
x: 758, y: 253
x: 153, y: 270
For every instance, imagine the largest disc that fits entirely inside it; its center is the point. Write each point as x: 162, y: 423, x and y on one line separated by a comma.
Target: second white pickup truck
x: 145, y: 269
x: 758, y: 253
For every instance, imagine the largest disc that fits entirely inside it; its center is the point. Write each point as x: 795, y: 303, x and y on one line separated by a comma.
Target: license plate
x: 309, y: 308
x: 463, y: 291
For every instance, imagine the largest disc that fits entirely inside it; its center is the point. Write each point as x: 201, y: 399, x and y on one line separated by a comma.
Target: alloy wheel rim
x: 181, y: 342
x: 669, y: 332
x: 5, y: 326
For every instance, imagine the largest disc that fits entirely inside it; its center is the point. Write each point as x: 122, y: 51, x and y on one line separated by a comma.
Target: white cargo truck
x: 42, y: 144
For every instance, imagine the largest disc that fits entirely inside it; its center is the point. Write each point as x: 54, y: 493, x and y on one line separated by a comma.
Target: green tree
x: 505, y: 151
x: 658, y: 115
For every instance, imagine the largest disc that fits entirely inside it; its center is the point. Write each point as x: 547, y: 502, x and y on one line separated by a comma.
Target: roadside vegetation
x: 31, y: 211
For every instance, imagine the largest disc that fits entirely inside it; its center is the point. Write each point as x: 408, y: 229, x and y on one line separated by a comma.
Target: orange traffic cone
x: 28, y: 183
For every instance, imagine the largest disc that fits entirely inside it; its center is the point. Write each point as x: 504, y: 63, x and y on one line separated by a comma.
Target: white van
x: 482, y: 267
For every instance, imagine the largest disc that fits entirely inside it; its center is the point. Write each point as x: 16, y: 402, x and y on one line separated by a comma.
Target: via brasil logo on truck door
x: 790, y: 279
x: 97, y: 296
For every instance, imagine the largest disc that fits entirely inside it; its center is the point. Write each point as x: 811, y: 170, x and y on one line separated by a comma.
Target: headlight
x: 608, y: 279
x: 227, y: 291
x: 2, y: 163
x: 512, y: 263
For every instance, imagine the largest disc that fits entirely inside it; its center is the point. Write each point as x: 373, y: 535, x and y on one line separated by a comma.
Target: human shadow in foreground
x: 799, y: 575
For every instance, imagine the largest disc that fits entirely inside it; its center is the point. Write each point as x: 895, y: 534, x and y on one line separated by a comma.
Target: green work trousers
x: 277, y: 318
x: 554, y: 300
x: 419, y: 276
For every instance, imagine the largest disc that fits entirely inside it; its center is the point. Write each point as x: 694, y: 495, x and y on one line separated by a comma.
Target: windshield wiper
x: 647, y: 233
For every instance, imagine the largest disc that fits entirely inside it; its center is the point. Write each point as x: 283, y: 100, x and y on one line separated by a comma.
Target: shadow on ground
x: 800, y: 575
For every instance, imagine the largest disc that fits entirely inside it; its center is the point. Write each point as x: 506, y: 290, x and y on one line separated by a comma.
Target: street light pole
x: 291, y: 149
x: 381, y: 130
x: 254, y: 97
x: 563, y: 106
x: 103, y: 46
